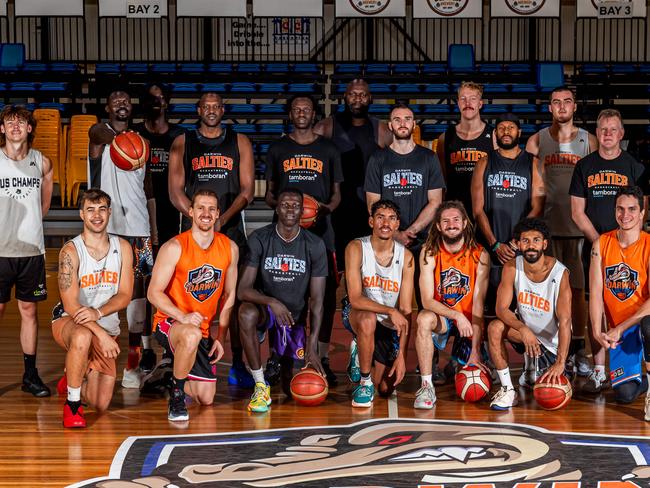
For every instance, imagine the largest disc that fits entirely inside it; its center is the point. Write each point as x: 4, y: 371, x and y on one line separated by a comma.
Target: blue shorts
x: 386, y: 340
x: 462, y: 347
x: 625, y: 360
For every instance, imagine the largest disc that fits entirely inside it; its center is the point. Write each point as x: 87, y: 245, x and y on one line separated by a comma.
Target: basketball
x: 552, y: 396
x: 472, y: 383
x: 129, y: 151
x: 309, y: 211
x: 308, y: 388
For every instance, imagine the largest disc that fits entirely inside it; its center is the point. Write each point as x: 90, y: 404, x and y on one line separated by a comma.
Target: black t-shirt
x: 405, y: 179
x: 312, y: 168
x: 597, y: 180
x: 285, y: 268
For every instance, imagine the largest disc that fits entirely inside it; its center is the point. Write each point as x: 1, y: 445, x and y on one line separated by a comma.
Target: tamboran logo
x: 388, y: 453
x: 369, y: 7
x: 621, y: 280
x: 454, y: 286
x: 525, y: 7
x: 448, y: 7
x: 203, y: 282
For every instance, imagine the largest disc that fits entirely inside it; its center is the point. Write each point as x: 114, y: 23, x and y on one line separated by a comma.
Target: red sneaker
x: 62, y: 386
x: 73, y: 417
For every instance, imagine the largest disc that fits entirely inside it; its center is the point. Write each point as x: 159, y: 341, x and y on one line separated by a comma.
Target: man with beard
x: 507, y: 186
x: 193, y: 284
x: 379, y: 277
x: 214, y: 156
x: 453, y: 283
x: 594, y: 183
x: 559, y: 148
x: 620, y: 261
x: 541, y: 328
x: 283, y: 279
x: 312, y: 164
x: 133, y: 218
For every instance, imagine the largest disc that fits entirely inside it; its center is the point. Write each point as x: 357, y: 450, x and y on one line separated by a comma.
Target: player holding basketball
x: 95, y: 283
x: 289, y: 265
x: 379, y: 277
x: 26, y: 182
x: 541, y: 328
x: 453, y: 282
x: 193, y: 280
x: 619, y: 289
x: 133, y: 218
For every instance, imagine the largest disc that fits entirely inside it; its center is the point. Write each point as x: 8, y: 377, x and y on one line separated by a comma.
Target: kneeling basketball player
x: 193, y: 278
x: 286, y: 266
x: 95, y: 282
x: 379, y: 278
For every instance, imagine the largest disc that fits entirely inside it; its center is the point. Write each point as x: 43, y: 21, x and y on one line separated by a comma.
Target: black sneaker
x: 33, y: 384
x: 159, y: 380
x: 438, y: 376
x: 177, y: 411
x: 148, y: 360
x: 272, y: 370
x: 331, y: 378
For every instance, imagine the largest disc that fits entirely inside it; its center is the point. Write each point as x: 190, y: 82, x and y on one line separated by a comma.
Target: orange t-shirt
x: 454, y: 278
x: 198, y: 280
x: 625, y: 276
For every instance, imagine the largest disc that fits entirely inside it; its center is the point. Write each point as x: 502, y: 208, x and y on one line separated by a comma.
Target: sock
x: 136, y: 313
x: 179, y: 383
x: 426, y: 379
x: 600, y: 370
x: 504, y: 377
x: 30, y: 364
x: 237, y: 358
x: 133, y: 358
x: 324, y: 349
x: 366, y: 380
x: 146, y: 342
x: 74, y: 394
x: 258, y: 375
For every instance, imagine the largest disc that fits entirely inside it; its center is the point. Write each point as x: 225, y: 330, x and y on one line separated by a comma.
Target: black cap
x: 508, y: 117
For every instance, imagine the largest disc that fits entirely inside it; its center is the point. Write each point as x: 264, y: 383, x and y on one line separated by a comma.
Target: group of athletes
x: 497, y: 244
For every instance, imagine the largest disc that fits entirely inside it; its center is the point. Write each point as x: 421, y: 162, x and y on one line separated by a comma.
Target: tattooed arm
x: 69, y: 279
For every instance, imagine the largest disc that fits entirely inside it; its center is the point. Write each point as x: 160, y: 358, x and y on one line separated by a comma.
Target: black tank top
x: 507, y: 191
x: 214, y: 164
x: 460, y: 159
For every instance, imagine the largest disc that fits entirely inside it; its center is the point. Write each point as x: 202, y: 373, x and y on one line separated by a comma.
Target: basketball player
x: 312, y: 164
x: 541, y: 328
x: 379, y: 277
x: 95, y: 283
x: 619, y: 289
x: 214, y: 156
x: 289, y: 265
x: 134, y: 218
x: 26, y: 182
x: 559, y: 148
x: 193, y: 280
x: 594, y: 183
x: 453, y: 283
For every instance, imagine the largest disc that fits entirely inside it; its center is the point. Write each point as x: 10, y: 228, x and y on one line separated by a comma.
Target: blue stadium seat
x: 495, y: 108
x: 495, y: 88
x: 460, y: 58
x: 59, y: 67
x: 56, y: 86
x: 241, y: 108
x: 517, y: 68
x: 23, y: 86
x: 436, y: 88
x: 407, y: 88
x: 110, y: 68
x: 249, y: 68
x: 263, y: 148
x: 163, y: 68
x: 644, y: 68
x: 528, y: 129
x: 490, y: 68
x: 348, y: 68
x: 380, y: 88
x: 523, y: 88
x: 434, y: 128
x: 3, y: 87
x: 35, y: 67
x: 270, y: 128
x: 220, y: 68
x: 243, y: 87
x: 191, y: 68
x: 341, y: 87
x: 271, y: 87
x: 307, y: 68
x: 184, y: 87
x: 519, y: 108
x: 437, y: 108
x: 405, y: 69
x: 182, y: 108
x: 12, y: 56
x: 594, y: 68
x: 379, y: 109
x: 277, y: 68
x: 188, y: 125
x: 622, y: 68
x: 301, y: 88
x: 55, y: 105
x: 378, y: 69
x: 245, y: 128
x: 273, y: 108
x: 550, y: 76
x: 214, y: 87
x: 136, y: 67
x: 434, y: 69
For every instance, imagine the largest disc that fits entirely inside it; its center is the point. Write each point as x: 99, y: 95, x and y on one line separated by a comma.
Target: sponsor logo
x: 525, y: 7
x: 454, y: 286
x: 448, y: 8
x: 621, y: 280
x: 369, y: 7
x: 291, y: 30
x: 300, y: 353
x: 202, y: 282
x: 41, y: 291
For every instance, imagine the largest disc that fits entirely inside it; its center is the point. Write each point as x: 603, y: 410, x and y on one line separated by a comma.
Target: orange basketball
x: 309, y: 211
x: 472, y: 384
x: 552, y: 396
x: 308, y: 388
x: 129, y: 151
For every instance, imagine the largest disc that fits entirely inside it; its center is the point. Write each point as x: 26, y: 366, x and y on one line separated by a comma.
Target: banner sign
x: 289, y: 8
x: 152, y: 9
x: 58, y: 8
x: 371, y: 8
x: 525, y: 8
x: 612, y: 9
x: 211, y: 8
x: 447, y: 9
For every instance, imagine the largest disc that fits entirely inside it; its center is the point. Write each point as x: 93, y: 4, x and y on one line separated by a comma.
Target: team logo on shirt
x: 20, y: 187
x: 402, y: 179
x: 454, y: 286
x: 203, y: 281
x: 621, y: 280
x: 507, y: 180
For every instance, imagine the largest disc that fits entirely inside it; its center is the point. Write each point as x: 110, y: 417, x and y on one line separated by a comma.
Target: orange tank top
x: 454, y: 278
x: 625, y: 276
x: 197, y: 283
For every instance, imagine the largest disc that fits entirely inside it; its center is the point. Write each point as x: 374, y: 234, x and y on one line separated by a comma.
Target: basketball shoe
x: 425, y: 397
x: 354, y: 370
x: 363, y: 395
x: 504, y: 399
x: 33, y: 384
x: 261, y: 398
x: 177, y: 411
x: 595, y: 382
x: 73, y: 415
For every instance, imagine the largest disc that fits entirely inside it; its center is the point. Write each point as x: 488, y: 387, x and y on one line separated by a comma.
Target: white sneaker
x: 504, y: 399
x: 425, y: 397
x: 524, y: 380
x: 647, y: 408
x: 595, y: 383
x: 131, y: 378
x: 583, y: 366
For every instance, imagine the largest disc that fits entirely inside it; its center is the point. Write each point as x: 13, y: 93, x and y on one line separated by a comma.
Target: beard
x: 402, y: 137
x: 450, y: 241
x: 508, y: 146
x: 358, y: 113
x: 532, y: 255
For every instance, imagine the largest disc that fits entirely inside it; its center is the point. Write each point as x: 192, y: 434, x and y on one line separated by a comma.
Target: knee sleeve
x: 630, y: 391
x: 136, y: 313
x: 645, y: 337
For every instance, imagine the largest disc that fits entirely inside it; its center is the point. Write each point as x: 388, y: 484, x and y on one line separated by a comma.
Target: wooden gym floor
x: 37, y: 451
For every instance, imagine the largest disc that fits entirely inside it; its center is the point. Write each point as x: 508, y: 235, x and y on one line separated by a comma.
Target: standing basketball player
x: 133, y: 218
x: 193, y: 280
x: 26, y: 183
x: 214, y: 156
x: 541, y: 329
x: 311, y: 163
x: 559, y: 148
x: 619, y: 289
x: 289, y: 265
x: 95, y: 283
x: 453, y: 283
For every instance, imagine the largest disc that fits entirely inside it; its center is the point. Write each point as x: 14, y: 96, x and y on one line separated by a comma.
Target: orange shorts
x: 96, y: 360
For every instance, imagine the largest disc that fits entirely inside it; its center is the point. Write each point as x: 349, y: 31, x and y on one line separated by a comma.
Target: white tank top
x: 381, y: 284
x: 100, y: 280
x: 536, y: 303
x: 21, y: 213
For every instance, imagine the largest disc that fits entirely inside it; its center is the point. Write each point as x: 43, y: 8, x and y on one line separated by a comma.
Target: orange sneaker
x: 73, y: 415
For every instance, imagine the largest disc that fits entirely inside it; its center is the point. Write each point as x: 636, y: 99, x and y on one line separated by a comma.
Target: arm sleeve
x: 373, y: 177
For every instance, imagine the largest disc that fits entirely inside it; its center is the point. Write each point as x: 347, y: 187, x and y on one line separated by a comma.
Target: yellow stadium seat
x: 76, y: 167
x: 47, y: 139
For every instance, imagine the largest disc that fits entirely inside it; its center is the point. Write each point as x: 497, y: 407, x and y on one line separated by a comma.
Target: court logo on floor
x: 387, y: 453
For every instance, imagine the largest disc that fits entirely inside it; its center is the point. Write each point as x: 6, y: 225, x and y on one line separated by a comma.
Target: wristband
x: 496, y: 246
x: 100, y: 313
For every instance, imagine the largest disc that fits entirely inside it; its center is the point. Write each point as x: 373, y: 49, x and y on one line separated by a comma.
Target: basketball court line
x: 393, y: 412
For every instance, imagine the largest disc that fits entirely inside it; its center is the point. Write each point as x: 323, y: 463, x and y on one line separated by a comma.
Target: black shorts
x: 386, y: 340
x: 202, y: 369
x: 28, y: 274
x: 142, y: 255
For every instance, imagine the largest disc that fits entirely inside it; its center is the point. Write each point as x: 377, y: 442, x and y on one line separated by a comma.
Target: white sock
x: 74, y: 394
x: 146, y: 342
x: 324, y: 349
x: 366, y: 380
x: 600, y: 369
x: 136, y: 313
x: 426, y: 379
x: 258, y: 375
x: 504, y: 377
